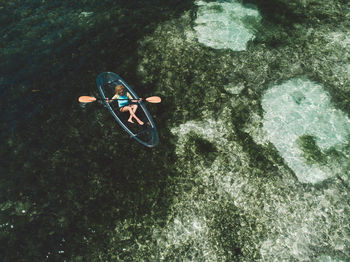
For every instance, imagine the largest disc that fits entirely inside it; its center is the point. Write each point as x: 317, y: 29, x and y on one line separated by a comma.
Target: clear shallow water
x: 225, y: 24
x: 218, y: 187
x: 300, y: 107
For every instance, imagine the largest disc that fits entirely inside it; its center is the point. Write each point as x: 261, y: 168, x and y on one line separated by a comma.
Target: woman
x: 124, y: 99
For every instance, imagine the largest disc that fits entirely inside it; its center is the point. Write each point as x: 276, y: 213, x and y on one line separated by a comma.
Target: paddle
x: 89, y: 99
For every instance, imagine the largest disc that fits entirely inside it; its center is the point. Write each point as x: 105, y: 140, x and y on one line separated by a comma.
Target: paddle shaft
x: 119, y: 99
x: 89, y: 99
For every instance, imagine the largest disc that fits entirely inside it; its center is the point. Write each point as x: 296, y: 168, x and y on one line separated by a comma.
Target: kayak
x: 146, y: 134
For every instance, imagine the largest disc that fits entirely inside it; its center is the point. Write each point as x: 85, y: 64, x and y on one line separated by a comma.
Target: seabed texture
x: 254, y: 156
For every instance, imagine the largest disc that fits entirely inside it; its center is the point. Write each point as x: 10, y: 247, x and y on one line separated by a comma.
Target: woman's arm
x: 133, y: 99
x: 129, y: 96
x: 115, y: 97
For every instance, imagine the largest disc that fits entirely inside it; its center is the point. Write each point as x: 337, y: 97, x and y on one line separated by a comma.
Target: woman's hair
x: 118, y: 88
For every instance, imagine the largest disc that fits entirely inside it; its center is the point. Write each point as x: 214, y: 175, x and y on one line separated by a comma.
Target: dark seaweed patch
x: 311, y: 152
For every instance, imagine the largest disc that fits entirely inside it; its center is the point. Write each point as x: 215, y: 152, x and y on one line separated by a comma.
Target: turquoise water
x: 300, y: 107
x: 253, y: 160
x: 226, y: 24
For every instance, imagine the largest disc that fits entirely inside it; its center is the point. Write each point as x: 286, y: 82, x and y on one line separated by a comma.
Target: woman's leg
x: 134, y: 107
x: 132, y: 114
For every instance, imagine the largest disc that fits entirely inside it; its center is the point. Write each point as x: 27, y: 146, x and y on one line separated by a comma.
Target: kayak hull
x: 147, y: 134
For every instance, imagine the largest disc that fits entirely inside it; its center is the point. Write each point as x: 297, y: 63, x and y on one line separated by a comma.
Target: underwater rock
x: 297, y: 108
x: 222, y: 25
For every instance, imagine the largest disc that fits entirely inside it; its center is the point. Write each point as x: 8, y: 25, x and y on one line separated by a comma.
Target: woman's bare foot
x: 130, y: 121
x: 140, y: 123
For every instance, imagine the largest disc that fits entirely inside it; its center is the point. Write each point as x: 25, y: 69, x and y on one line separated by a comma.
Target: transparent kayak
x: 146, y: 134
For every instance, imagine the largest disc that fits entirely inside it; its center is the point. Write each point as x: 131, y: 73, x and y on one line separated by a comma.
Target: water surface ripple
x: 253, y: 160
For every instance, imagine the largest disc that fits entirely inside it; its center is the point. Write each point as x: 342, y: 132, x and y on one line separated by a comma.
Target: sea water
x: 300, y: 107
x: 253, y: 160
x: 266, y: 212
x: 226, y: 24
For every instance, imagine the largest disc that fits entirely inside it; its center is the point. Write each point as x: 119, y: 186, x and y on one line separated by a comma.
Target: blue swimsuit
x: 126, y: 99
x: 122, y: 103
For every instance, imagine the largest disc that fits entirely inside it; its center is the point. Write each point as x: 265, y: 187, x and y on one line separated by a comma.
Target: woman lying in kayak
x: 124, y: 99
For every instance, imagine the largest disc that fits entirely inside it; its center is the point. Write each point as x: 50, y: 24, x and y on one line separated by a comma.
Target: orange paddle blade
x: 154, y: 99
x: 87, y: 99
